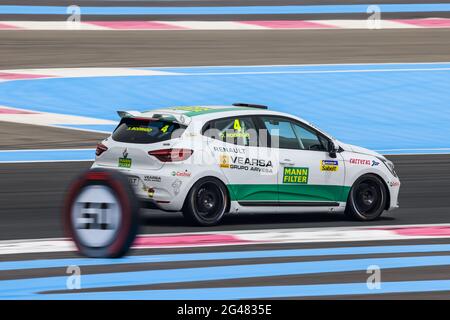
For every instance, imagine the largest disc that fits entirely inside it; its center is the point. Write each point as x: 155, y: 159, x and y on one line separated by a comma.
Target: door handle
x: 287, y: 162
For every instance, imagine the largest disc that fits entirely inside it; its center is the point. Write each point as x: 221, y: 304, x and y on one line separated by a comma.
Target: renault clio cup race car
x: 207, y: 161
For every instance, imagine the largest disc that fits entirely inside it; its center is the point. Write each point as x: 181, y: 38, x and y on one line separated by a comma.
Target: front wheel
x: 206, y: 202
x: 367, y: 199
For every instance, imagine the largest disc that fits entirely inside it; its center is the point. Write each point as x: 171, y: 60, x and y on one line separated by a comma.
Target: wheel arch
x: 227, y: 190
x: 388, y: 192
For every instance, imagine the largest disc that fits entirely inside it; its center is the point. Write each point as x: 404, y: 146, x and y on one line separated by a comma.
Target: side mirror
x: 332, y: 149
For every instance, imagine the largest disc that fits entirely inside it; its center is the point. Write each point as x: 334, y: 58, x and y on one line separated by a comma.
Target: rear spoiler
x: 178, y: 118
x: 128, y: 114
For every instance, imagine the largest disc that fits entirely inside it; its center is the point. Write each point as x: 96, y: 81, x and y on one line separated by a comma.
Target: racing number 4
x: 237, y: 125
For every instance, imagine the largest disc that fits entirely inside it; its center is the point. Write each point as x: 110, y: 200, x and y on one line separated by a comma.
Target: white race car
x: 209, y: 160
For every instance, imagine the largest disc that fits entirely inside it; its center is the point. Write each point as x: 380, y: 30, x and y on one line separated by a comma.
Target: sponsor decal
x: 329, y: 165
x: 224, y: 161
x: 360, y: 161
x: 234, y: 135
x: 394, y: 183
x: 251, y: 161
x: 152, y: 178
x: 372, y: 163
x: 134, y: 181
x: 184, y: 173
x: 164, y: 129
x: 230, y: 150
x: 295, y: 175
x: 150, y: 192
x: 243, y: 163
x: 251, y: 164
x: 125, y: 162
x: 238, y: 131
x: 176, y: 185
x: 140, y: 129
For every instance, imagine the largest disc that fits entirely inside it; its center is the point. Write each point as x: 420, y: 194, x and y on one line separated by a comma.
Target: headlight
x: 390, y: 165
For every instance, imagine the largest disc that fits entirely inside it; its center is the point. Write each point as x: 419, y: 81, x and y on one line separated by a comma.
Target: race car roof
x: 184, y: 114
x: 192, y: 111
x: 181, y: 114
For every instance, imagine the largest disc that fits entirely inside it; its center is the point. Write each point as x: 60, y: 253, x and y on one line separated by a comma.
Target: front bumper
x: 394, y: 190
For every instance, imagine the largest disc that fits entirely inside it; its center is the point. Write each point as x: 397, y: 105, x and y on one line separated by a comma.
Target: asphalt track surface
x: 194, y: 48
x: 40, y: 137
x: 423, y: 199
x: 31, y: 193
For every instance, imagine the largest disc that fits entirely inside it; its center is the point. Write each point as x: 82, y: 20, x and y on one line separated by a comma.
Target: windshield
x: 132, y: 130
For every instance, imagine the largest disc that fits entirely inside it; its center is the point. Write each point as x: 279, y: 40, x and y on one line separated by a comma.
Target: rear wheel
x: 206, y: 202
x: 367, y: 199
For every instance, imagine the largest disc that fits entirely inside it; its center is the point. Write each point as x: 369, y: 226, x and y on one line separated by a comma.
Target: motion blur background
x: 371, y: 74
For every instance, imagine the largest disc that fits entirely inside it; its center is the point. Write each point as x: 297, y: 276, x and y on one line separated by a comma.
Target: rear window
x: 133, y: 130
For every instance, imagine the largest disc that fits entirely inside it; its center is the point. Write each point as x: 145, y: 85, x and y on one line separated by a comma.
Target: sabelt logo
x: 329, y: 165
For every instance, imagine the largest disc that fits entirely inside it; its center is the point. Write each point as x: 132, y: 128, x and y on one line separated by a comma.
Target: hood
x: 361, y: 150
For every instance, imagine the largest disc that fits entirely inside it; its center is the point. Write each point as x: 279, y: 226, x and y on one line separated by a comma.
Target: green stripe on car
x: 288, y: 192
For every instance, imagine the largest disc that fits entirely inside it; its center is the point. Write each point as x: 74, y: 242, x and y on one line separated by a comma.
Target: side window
x: 237, y: 130
x: 309, y: 139
x: 282, y: 133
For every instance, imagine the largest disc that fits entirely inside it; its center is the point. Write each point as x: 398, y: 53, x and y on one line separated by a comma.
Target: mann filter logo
x: 329, y: 165
x: 224, y: 161
x: 295, y: 175
x: 125, y: 162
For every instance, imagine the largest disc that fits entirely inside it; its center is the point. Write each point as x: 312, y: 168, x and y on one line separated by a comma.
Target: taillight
x: 171, y: 155
x: 100, y: 149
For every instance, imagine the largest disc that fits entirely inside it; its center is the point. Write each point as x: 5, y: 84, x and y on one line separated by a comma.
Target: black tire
x: 367, y: 198
x: 116, y: 220
x: 206, y: 202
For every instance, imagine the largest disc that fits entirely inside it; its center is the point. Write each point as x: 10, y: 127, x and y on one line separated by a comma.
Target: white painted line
x: 223, y: 25
x: 52, y: 25
x: 55, y: 120
x: 366, y: 24
x: 250, y: 237
x: 314, y: 71
x: 215, y: 25
x: 36, y: 246
x: 299, y: 65
x: 89, y: 72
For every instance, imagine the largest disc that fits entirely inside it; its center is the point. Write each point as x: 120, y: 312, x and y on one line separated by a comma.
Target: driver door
x: 307, y: 175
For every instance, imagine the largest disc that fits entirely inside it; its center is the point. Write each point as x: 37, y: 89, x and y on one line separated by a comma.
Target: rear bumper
x: 149, y: 204
x: 157, y: 189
